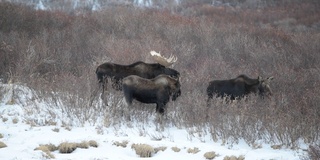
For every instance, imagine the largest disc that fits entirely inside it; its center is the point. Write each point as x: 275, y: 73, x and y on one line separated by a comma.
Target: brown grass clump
x: 234, y: 158
x: 47, y: 149
x: 176, y: 149
x: 50, y: 122
x: 210, y: 155
x: 55, y: 129
x: 194, y: 150
x: 51, y: 147
x: 4, y: 119
x: 15, y: 120
x: 2, y: 145
x: 276, y: 146
x: 67, y: 147
x: 157, y: 149
x: 83, y: 145
x: 143, y: 150
x: 121, y: 144
x: 93, y: 143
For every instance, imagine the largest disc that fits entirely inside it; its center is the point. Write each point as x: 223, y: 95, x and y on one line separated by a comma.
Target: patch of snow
x: 22, y: 138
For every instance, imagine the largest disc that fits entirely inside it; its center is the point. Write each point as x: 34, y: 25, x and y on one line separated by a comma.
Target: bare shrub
x: 176, y: 149
x: 314, y: 152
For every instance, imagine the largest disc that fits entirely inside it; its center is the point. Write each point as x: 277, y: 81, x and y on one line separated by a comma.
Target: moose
x: 158, y: 90
x: 239, y: 87
x: 117, y: 72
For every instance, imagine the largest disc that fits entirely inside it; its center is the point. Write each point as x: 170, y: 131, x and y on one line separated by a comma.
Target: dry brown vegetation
x: 56, y: 54
x: 210, y: 155
x: 143, y: 150
x: 121, y: 144
x: 2, y: 145
x: 176, y: 149
x: 233, y: 158
x: 65, y: 147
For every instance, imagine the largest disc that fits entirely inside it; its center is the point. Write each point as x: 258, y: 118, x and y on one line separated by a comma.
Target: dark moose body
x: 117, y: 72
x: 239, y: 87
x: 158, y: 90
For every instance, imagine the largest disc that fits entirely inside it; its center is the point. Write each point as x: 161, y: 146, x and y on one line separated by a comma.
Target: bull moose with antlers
x: 116, y: 72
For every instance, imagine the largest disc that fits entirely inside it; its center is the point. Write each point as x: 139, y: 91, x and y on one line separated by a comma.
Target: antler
x: 162, y: 60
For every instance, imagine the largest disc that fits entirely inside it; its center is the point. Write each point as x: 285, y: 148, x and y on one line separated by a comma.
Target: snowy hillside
x: 26, y: 123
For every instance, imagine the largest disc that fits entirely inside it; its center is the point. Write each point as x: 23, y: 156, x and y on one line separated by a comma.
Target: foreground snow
x: 21, y: 140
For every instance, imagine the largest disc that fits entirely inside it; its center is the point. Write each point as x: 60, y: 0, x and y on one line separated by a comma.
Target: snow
x: 22, y: 137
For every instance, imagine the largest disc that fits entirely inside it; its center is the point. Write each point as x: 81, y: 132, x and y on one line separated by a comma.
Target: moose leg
x: 103, y: 83
x: 160, y: 108
x: 210, y: 96
x: 128, y: 95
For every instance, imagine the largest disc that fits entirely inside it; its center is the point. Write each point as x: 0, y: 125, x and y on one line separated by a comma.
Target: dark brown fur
x: 239, y: 87
x: 117, y: 72
x: 158, y: 90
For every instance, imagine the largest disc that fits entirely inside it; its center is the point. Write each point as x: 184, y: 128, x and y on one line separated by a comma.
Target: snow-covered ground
x: 22, y: 138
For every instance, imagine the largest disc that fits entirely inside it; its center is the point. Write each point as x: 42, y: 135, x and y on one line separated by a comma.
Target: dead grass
x: 314, y: 152
x: 93, y: 143
x: 210, y: 155
x: 47, y: 149
x: 194, y: 150
x: 2, y: 145
x: 121, y: 144
x: 67, y: 147
x: 157, y: 149
x: 4, y: 119
x: 234, y: 158
x: 176, y: 149
x: 276, y: 146
x: 15, y: 120
x: 143, y: 150
x: 55, y: 129
x: 83, y: 145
